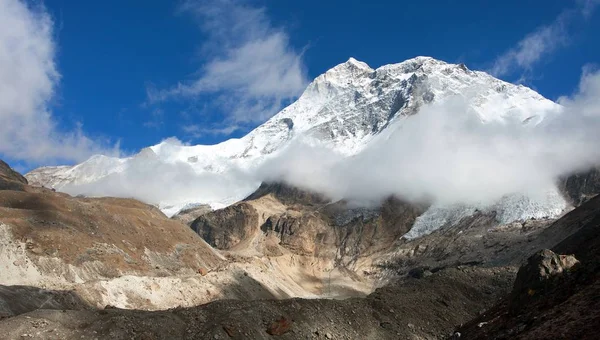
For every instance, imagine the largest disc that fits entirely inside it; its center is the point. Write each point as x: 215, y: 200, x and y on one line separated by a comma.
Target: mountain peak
x: 344, y: 110
x: 358, y: 64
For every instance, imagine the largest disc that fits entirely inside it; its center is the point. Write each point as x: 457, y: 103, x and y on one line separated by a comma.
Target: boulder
x: 542, y: 271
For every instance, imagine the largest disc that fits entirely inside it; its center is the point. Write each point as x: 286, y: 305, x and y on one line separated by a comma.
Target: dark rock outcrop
x: 582, y: 186
x: 226, y: 228
x: 542, y: 270
x: 552, y: 298
x: 310, y: 225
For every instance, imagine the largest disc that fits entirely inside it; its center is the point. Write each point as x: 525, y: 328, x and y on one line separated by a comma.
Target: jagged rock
x: 541, y: 270
x: 581, y: 186
x: 554, y: 296
x: 309, y: 224
x: 227, y: 227
x: 305, y: 234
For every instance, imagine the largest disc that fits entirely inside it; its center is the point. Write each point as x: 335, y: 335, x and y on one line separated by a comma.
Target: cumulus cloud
x: 446, y: 155
x: 28, y: 80
x: 543, y: 41
x: 251, y: 69
x: 170, y: 185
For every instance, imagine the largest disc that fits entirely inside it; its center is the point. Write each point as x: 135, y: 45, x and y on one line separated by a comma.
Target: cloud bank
x: 28, y: 81
x: 445, y: 155
x: 250, y: 69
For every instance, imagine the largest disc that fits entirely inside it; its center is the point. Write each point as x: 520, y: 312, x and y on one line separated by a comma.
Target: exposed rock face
x: 582, y: 186
x: 304, y: 235
x: 307, y: 224
x: 542, y: 270
x: 227, y: 227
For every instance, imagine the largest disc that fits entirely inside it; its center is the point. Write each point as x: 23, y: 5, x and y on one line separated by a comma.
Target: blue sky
x: 128, y: 74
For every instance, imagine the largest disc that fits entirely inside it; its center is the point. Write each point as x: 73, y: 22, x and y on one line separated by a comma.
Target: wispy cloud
x: 250, y: 68
x: 543, y: 41
x: 28, y: 80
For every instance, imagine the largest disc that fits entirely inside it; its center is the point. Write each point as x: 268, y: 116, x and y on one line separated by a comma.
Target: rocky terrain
x: 102, y: 252
x: 554, y: 296
x: 428, y: 287
x: 76, y: 267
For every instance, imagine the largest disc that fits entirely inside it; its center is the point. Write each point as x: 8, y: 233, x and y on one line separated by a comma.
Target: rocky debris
x: 432, y: 306
x: 187, y: 216
x: 554, y: 296
x: 280, y: 326
x: 17, y: 300
x: 419, y: 272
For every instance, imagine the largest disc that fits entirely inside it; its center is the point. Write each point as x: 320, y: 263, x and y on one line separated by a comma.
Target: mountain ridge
x: 342, y: 110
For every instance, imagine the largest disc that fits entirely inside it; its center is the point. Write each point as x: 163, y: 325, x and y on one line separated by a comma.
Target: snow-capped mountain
x: 343, y: 109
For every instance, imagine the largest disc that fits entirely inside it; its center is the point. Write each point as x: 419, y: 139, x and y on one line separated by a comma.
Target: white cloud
x: 251, y: 69
x: 542, y: 42
x: 28, y: 79
x: 444, y: 154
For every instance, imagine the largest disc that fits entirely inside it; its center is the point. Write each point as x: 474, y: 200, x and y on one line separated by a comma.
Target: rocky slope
x: 554, y: 296
x: 427, y: 298
x: 59, y: 250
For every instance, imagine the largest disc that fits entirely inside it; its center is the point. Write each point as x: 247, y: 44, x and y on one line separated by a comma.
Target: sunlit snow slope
x: 343, y: 109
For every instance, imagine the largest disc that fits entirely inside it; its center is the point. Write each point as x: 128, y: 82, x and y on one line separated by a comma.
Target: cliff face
x: 306, y: 224
x: 582, y: 186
